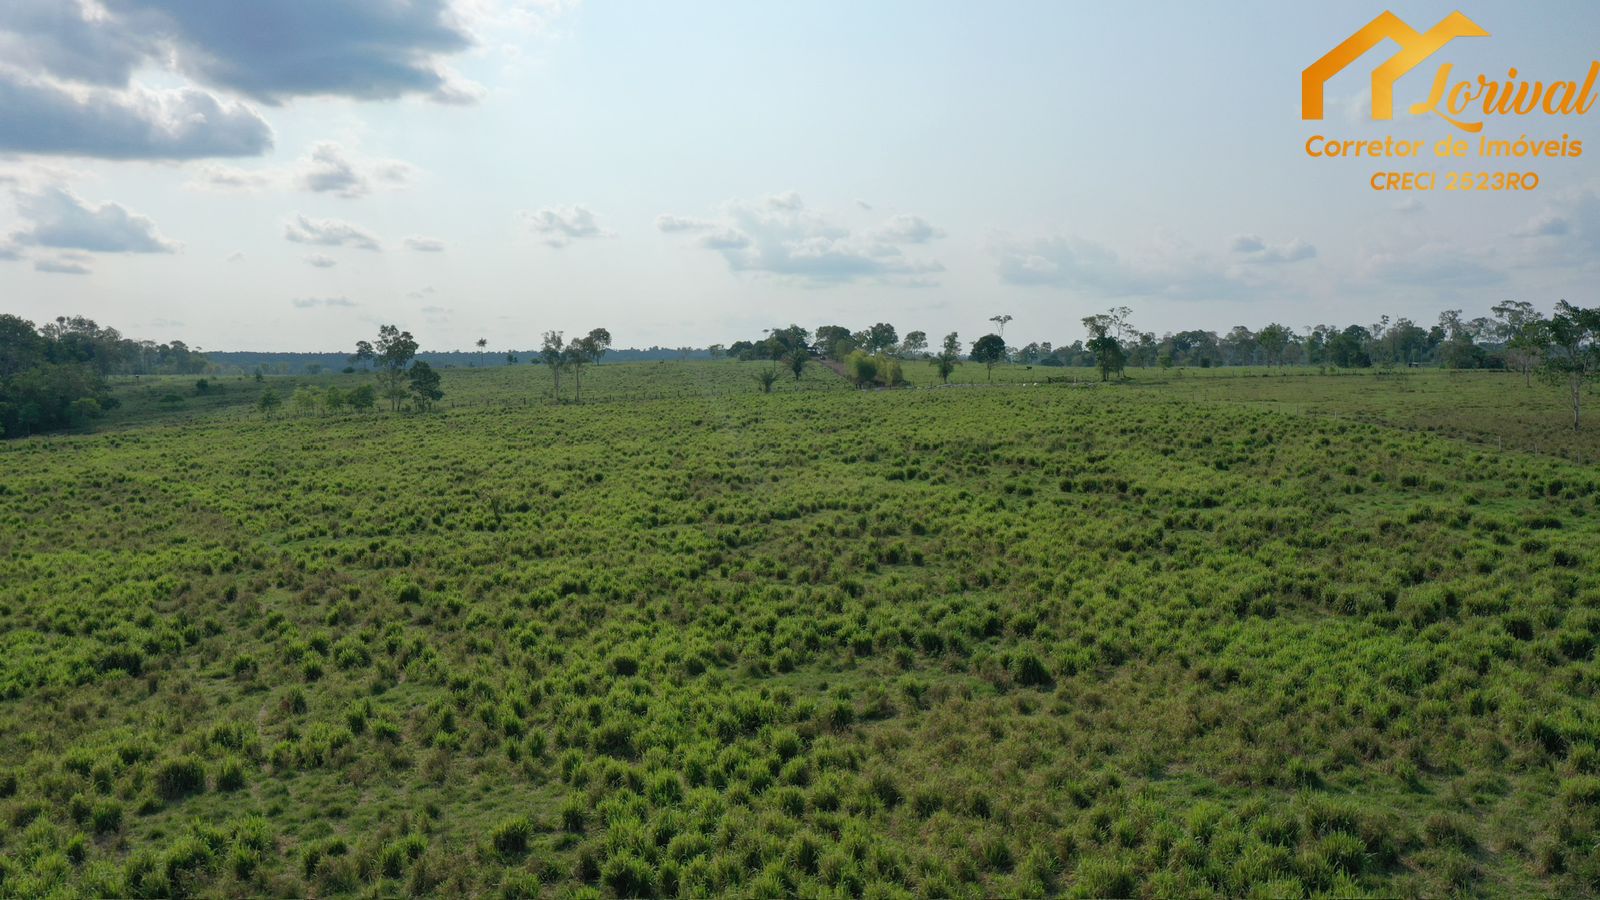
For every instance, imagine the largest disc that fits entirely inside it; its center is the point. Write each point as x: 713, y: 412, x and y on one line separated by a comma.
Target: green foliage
x: 1217, y: 635
x: 990, y: 350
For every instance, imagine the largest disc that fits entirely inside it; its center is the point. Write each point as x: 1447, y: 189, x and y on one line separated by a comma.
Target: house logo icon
x: 1414, y: 48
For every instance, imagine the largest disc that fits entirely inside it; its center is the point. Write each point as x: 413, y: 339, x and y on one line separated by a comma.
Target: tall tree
x: 1105, y: 342
x: 989, y: 350
x: 554, y: 354
x: 1573, y: 356
x: 949, y: 356
x: 580, y: 353
x: 834, y: 341
x: 393, y: 351
x: 1001, y: 321
x: 915, y: 342
x: 1523, y: 330
x: 1274, y: 341
x: 599, y: 342
x: 880, y: 338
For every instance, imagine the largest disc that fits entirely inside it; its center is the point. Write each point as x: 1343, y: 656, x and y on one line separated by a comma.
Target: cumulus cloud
x: 328, y: 233
x: 363, y: 49
x: 1251, y: 248
x: 561, y: 226
x: 424, y: 244
x: 69, y: 40
x: 232, y: 178
x: 321, y: 261
x: 59, y: 219
x: 322, y: 302
x: 136, y: 123
x: 69, y: 81
x: 779, y: 235
x: 329, y: 169
x: 908, y: 229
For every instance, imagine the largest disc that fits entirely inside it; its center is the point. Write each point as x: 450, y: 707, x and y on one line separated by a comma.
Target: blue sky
x: 288, y: 175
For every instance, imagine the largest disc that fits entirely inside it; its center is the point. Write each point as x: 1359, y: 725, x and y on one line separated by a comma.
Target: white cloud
x: 329, y: 169
x: 778, y: 235
x: 322, y: 302
x: 907, y: 229
x: 425, y: 244
x: 321, y: 261
x: 328, y: 233
x: 561, y: 226
x: 44, y: 117
x: 59, y: 219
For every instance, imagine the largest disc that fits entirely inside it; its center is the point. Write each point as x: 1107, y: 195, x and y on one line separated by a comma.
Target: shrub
x: 510, y: 838
x: 179, y: 777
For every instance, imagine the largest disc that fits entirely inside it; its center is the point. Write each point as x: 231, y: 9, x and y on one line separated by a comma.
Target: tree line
x: 1562, y: 348
x: 56, y: 376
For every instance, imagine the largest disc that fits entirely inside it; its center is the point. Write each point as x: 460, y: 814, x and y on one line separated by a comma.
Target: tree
x: 1001, y: 321
x: 949, y: 356
x: 554, y: 354
x: 716, y: 351
x: 1459, y: 349
x: 1573, y: 355
x: 797, y: 363
x: 783, y: 343
x: 880, y: 338
x: 766, y: 378
x: 1348, y: 348
x: 834, y: 341
x: 364, y: 355
x: 989, y: 350
x: 393, y: 352
x: 483, y: 343
x: 424, y: 386
x: 579, y: 353
x: 1274, y: 340
x: 915, y: 342
x: 1105, y: 344
x: 269, y: 401
x: 362, y: 398
x: 599, y: 342
x: 1524, y: 333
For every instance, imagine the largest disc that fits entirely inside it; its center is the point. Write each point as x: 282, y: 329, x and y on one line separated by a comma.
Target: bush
x: 510, y: 838
x: 179, y: 777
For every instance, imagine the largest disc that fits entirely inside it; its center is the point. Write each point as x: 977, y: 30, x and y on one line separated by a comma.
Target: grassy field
x: 1200, y: 634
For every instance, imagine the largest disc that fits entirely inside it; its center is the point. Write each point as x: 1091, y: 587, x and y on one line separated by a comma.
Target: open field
x: 1198, y: 634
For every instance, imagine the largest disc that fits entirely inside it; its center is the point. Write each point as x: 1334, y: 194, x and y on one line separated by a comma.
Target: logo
x: 1414, y: 48
x: 1454, y: 103
x: 1466, y: 104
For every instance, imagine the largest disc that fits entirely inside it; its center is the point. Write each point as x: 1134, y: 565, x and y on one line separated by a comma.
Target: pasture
x: 1197, y: 634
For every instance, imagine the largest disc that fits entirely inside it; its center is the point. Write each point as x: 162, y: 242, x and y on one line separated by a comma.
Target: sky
x: 245, y: 175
